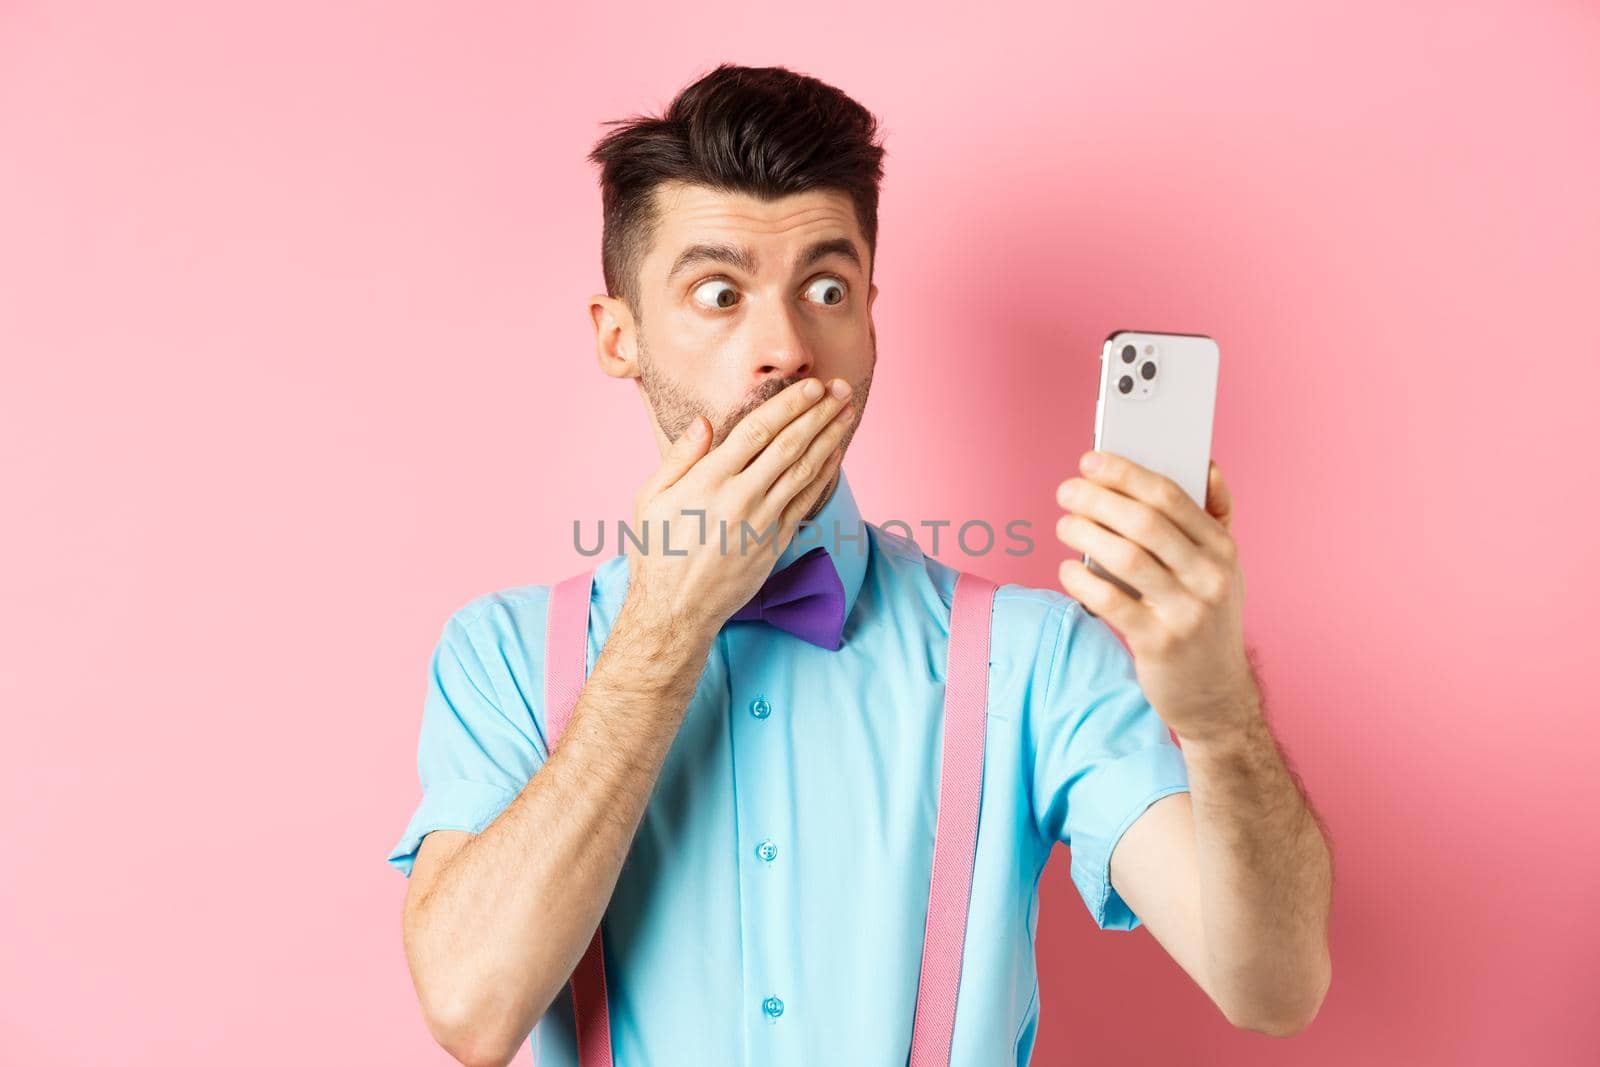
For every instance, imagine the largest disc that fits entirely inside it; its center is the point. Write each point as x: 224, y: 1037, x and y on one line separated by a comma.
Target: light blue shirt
x: 771, y: 909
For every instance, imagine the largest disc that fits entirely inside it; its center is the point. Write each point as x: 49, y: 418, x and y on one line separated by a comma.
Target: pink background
x: 292, y: 304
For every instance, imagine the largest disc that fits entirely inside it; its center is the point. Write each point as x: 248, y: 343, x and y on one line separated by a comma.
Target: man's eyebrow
x: 737, y: 256
x: 733, y: 255
x: 833, y: 246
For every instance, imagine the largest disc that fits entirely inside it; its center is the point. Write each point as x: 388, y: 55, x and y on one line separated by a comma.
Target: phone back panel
x: 1164, y: 421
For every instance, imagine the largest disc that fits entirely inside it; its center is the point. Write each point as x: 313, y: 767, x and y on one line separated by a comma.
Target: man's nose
x: 780, y: 348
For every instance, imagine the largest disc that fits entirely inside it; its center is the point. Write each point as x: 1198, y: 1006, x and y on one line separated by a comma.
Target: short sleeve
x: 1102, y: 756
x: 479, y: 744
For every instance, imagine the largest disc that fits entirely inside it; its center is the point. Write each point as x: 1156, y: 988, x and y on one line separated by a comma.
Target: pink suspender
x: 955, y: 840
x: 566, y: 667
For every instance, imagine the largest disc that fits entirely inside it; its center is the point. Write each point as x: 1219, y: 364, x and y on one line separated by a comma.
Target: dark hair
x: 764, y: 131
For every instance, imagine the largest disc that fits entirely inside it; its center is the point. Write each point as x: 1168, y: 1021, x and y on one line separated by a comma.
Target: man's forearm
x: 512, y: 912
x: 1266, y: 877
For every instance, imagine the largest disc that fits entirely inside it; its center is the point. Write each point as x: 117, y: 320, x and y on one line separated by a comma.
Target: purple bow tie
x: 806, y: 599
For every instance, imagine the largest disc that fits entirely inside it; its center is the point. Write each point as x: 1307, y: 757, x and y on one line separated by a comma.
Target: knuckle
x: 757, y: 433
x: 1213, y: 586
x: 1144, y: 526
x: 1124, y: 555
x: 1187, y: 626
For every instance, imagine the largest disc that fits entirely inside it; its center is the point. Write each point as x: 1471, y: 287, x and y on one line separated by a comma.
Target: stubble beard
x: 675, y: 408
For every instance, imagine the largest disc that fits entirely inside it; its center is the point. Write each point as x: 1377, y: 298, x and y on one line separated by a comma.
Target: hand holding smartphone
x: 1157, y: 402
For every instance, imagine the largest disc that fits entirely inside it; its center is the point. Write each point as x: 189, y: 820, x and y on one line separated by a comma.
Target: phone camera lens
x: 1125, y: 384
x: 1129, y: 353
x: 1147, y: 371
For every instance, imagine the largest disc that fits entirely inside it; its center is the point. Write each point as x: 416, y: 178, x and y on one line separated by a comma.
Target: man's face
x: 740, y: 298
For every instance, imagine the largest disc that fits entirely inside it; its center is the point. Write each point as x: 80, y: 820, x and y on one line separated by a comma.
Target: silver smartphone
x: 1158, y: 395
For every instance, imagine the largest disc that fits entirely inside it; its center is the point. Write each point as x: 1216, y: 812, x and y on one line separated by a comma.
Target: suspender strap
x: 955, y: 842
x: 566, y: 648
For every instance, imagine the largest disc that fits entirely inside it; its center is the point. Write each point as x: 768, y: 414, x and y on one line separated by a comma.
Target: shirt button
x: 760, y: 708
x: 767, y: 851
x: 773, y: 1007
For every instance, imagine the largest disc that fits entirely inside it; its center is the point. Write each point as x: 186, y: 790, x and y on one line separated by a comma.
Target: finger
x: 681, y: 456
x: 1160, y: 492
x: 793, y: 442
x: 1131, y: 617
x: 803, y: 471
x: 797, y: 507
x: 761, y: 427
x: 1159, y: 587
x: 1133, y: 519
x: 1219, y: 498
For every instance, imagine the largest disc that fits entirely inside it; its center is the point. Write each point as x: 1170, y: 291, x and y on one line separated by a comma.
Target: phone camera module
x: 1137, y: 372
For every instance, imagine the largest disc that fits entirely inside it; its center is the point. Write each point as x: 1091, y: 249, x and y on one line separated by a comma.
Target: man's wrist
x: 664, y: 649
x: 1238, y: 727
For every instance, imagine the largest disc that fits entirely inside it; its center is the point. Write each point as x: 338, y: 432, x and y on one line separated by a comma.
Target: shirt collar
x: 838, y: 527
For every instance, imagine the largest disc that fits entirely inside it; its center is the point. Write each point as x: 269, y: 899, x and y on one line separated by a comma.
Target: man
x: 752, y: 811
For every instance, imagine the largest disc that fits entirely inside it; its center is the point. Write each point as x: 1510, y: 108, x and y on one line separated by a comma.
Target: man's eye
x: 826, y: 291
x: 724, y: 299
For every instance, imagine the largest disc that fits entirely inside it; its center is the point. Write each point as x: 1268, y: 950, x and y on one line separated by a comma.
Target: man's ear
x: 615, y: 346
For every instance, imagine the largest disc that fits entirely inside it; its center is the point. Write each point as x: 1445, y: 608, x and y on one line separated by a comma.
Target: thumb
x: 1219, y: 498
